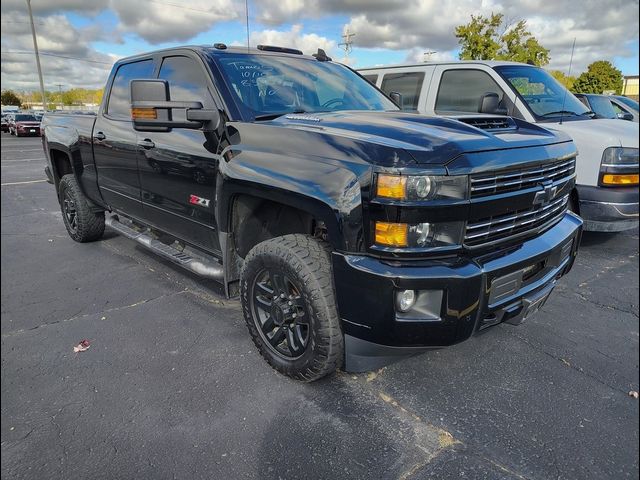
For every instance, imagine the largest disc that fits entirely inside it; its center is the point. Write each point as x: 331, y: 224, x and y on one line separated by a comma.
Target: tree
x: 481, y: 39
x: 10, y: 98
x: 600, y: 76
x: 565, y: 80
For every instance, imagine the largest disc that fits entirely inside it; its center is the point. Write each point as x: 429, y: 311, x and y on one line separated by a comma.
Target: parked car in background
x: 5, y: 122
x: 24, y: 124
x: 602, y: 106
x: 626, y: 105
x: 606, y: 195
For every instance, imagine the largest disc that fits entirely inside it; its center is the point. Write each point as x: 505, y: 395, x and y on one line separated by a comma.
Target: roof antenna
x: 246, y: 11
x: 566, y: 90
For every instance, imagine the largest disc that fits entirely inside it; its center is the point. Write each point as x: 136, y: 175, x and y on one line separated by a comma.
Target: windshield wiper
x: 560, y: 112
x: 591, y: 113
x: 273, y: 116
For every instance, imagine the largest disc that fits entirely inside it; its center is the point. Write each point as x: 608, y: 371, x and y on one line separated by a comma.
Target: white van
x: 607, y: 172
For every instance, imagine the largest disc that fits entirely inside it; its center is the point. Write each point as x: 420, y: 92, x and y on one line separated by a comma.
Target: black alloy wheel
x: 280, y: 313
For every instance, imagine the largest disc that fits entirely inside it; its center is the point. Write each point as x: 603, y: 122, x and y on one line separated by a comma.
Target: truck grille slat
x: 499, y: 227
x: 484, y: 185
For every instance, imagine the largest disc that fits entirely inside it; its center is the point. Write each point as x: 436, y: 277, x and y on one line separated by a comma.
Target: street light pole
x: 35, y: 47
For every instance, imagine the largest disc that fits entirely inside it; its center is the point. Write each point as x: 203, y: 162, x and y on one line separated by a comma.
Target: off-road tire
x: 306, y: 262
x: 89, y: 225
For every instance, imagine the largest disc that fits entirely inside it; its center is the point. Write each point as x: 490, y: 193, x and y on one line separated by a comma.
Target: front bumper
x: 366, y: 286
x: 605, y: 209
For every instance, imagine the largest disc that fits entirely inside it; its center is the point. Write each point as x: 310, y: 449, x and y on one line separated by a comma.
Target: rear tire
x: 83, y: 225
x: 289, y: 306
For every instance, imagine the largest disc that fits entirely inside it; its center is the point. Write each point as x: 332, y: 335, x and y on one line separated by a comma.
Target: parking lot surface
x: 172, y: 387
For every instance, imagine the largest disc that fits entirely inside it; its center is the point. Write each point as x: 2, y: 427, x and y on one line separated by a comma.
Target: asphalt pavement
x: 172, y: 387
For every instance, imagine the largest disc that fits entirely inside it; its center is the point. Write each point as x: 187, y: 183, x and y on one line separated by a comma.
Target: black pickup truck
x: 354, y: 233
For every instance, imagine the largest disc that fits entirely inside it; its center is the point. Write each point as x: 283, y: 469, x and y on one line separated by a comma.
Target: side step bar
x: 201, y: 267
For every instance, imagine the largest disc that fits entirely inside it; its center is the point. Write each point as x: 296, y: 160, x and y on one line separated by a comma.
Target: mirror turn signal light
x: 144, y: 114
x: 391, y: 186
x: 620, y: 179
x: 391, y: 234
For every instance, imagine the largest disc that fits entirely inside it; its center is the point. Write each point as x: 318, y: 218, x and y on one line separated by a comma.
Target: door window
x: 119, y: 105
x: 408, y: 84
x: 187, y: 80
x: 461, y: 90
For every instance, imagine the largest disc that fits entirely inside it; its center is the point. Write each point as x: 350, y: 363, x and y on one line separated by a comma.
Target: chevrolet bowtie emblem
x: 545, y: 196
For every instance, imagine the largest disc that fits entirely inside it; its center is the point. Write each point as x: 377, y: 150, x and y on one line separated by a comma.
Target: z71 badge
x: 196, y: 200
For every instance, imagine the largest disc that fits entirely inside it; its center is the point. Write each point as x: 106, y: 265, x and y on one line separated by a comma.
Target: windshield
x: 628, y: 102
x: 26, y: 118
x: 543, y: 94
x: 601, y: 106
x: 265, y: 85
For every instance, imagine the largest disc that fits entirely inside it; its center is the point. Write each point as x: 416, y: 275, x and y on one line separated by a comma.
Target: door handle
x: 99, y: 136
x: 146, y: 143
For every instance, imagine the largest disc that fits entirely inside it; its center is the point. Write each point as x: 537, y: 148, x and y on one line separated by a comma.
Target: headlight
x: 620, y: 157
x: 619, y: 167
x: 421, y: 187
x: 419, y: 235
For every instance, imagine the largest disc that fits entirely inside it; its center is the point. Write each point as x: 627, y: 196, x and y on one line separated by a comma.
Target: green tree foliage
x: 600, y: 76
x: 491, y: 39
x: 10, y: 98
x: 565, y: 80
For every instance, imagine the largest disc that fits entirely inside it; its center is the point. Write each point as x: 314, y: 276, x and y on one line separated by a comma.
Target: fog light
x: 405, y: 299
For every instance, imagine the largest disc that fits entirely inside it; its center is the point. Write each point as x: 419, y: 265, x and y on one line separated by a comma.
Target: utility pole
x: 347, y: 45
x: 35, y: 47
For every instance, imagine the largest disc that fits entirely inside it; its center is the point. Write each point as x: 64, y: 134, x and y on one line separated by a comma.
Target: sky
x: 80, y: 39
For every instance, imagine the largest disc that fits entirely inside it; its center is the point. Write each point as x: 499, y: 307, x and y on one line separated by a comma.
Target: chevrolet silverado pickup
x: 353, y: 233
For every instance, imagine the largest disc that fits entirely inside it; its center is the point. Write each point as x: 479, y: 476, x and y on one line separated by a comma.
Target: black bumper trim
x: 609, y: 209
x: 365, y: 288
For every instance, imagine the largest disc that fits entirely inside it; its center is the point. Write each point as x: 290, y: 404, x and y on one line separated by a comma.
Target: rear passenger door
x: 114, y: 141
x: 178, y: 169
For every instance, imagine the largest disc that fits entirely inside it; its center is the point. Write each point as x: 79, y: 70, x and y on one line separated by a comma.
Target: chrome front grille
x: 501, y: 227
x: 483, y: 185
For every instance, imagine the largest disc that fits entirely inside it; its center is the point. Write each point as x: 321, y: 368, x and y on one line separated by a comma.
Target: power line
x: 48, y: 54
x: 182, y: 6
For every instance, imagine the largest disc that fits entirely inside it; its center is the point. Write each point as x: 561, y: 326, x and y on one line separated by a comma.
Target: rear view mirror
x: 397, y: 99
x: 489, y: 103
x: 625, y: 116
x: 152, y: 109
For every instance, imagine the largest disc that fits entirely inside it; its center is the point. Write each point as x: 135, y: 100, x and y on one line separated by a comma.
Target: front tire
x: 289, y: 306
x: 83, y: 225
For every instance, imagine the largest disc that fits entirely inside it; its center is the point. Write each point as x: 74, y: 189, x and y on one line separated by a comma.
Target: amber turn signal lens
x: 618, y: 179
x: 391, y: 186
x: 391, y: 234
x: 144, y: 113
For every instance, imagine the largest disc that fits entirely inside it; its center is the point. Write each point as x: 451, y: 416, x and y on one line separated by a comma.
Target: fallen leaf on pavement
x: 633, y: 394
x: 83, y: 346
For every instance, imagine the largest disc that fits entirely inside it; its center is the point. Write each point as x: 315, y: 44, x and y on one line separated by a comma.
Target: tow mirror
x: 489, y: 103
x: 153, y: 111
x: 397, y: 99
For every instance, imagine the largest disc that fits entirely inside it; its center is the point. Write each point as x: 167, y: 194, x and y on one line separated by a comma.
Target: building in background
x: 630, y: 86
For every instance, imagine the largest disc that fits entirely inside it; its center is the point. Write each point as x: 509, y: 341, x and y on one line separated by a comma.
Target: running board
x: 201, y: 267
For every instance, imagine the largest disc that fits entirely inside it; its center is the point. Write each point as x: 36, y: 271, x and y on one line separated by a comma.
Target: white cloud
x: 293, y: 38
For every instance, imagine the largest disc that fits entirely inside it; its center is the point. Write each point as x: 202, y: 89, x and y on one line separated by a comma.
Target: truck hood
x: 392, y: 138
x: 599, y: 133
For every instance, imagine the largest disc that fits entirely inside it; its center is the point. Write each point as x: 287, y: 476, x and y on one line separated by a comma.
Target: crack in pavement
x: 85, y: 315
x: 539, y: 348
x: 605, y: 306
